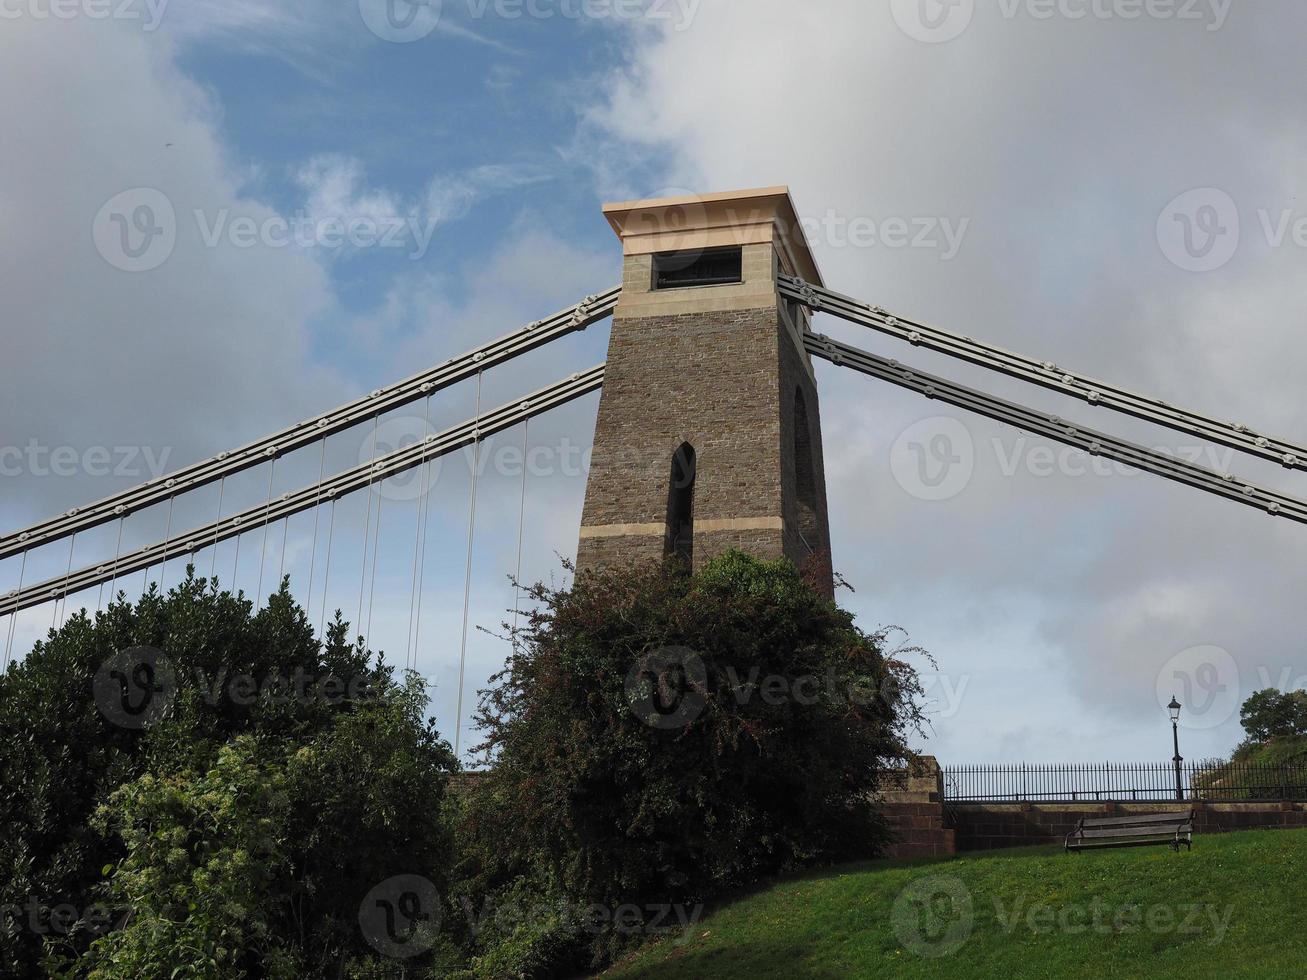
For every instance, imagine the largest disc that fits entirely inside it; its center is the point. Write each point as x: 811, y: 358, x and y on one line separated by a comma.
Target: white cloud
x: 332, y: 185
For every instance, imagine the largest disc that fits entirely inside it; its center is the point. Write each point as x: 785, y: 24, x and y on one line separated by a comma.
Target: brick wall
x: 913, y: 807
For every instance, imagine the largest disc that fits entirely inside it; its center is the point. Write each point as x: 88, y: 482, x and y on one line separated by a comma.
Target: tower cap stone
x: 764, y: 215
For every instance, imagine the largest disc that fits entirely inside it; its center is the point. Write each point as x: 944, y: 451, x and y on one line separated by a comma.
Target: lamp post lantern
x: 1174, y: 708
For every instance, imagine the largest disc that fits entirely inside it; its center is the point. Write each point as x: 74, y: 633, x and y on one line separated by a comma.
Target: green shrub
x: 661, y: 738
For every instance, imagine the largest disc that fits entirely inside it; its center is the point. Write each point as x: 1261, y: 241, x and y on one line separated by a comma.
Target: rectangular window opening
x: 698, y: 267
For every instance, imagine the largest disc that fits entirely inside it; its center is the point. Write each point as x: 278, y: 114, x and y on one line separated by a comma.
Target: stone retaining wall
x: 986, y: 826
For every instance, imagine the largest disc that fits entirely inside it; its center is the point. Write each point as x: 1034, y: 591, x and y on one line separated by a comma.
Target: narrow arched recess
x: 680, y: 505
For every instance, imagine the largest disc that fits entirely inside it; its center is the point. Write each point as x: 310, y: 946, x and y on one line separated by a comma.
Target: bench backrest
x: 1141, y: 820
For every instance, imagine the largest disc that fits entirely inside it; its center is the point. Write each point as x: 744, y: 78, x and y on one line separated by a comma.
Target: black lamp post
x: 1174, y: 708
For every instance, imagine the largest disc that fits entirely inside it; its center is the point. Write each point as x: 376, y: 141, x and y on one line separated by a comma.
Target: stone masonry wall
x: 724, y: 382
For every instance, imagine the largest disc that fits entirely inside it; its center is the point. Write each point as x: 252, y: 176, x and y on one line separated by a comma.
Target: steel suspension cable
x: 467, y: 574
x: 72, y: 543
x: 281, y: 568
x: 532, y: 336
x: 422, y: 565
x: 1046, y: 374
x: 1095, y: 443
x: 163, y: 567
x: 117, y: 551
x: 409, y: 652
x: 326, y: 574
x: 13, y: 618
x: 235, y: 565
x: 317, y: 513
x: 355, y: 479
x: 213, y: 562
x: 263, y: 548
x: 521, y: 524
x: 376, y: 547
x: 367, y: 527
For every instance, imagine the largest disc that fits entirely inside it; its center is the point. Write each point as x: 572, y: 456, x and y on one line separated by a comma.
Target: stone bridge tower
x: 708, y: 436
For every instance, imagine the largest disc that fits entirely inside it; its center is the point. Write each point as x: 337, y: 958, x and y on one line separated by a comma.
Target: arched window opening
x: 805, y: 475
x: 680, y: 506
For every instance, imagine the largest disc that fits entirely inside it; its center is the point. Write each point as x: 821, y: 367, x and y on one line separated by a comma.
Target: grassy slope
x: 840, y: 923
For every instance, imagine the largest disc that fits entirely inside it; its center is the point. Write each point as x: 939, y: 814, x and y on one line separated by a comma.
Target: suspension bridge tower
x: 708, y: 436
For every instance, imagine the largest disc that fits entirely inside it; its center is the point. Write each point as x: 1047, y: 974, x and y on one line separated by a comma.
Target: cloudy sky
x: 1111, y: 185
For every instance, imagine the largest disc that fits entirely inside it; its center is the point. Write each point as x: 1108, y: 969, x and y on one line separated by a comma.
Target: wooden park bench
x: 1134, y: 830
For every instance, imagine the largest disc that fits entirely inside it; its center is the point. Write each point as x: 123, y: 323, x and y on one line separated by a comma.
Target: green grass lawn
x: 1233, y: 907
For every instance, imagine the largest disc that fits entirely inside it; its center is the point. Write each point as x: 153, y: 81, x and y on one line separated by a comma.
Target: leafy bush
x: 661, y: 738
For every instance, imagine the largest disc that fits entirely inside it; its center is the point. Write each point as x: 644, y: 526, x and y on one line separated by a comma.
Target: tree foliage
x: 658, y: 737
x: 1270, y: 714
x: 235, y: 834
